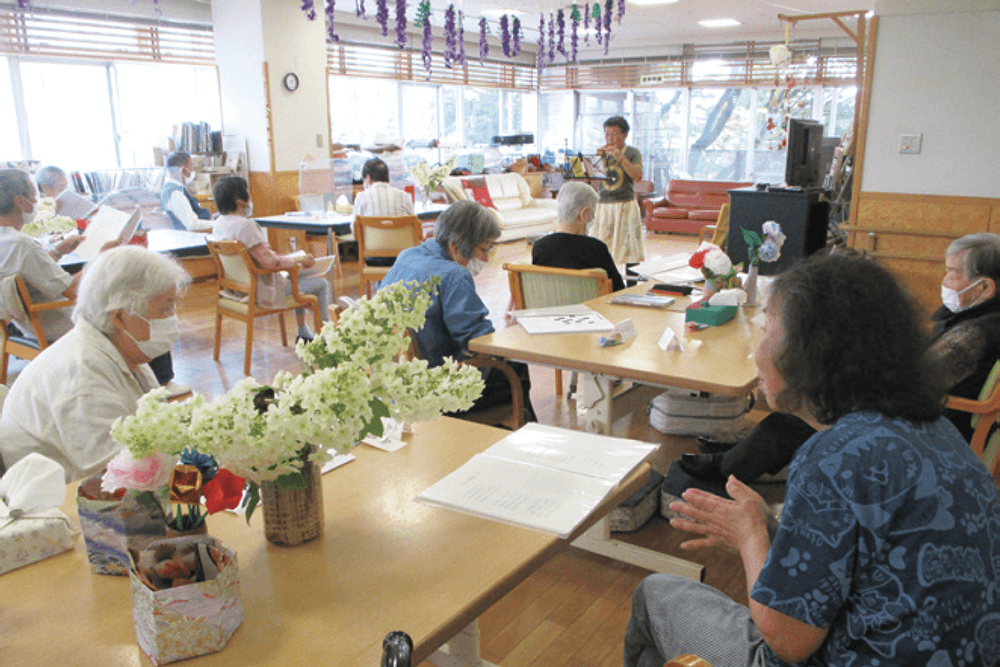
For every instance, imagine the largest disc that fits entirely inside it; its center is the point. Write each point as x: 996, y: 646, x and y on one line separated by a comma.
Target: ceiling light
x: 719, y: 23
x: 652, y: 2
x: 497, y: 13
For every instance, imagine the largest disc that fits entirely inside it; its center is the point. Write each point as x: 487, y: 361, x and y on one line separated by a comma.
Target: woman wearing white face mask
x: 463, y: 238
x: 64, y: 402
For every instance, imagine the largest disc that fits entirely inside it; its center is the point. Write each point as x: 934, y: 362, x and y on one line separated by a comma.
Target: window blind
x: 348, y: 59
x: 54, y: 33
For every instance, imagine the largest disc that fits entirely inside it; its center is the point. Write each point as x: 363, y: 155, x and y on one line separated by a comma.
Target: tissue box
x: 35, y: 537
x: 703, y: 313
x: 191, y: 620
x: 110, y: 527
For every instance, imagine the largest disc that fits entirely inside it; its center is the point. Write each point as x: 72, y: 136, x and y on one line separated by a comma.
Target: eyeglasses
x: 485, y: 248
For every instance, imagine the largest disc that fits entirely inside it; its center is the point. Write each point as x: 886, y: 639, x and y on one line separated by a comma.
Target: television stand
x: 801, y: 213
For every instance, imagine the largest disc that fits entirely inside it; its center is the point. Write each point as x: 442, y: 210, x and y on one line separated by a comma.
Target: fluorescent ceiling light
x: 497, y: 13
x: 652, y: 2
x: 719, y: 23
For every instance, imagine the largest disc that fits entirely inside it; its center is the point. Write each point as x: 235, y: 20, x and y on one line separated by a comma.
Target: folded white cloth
x: 33, y: 483
x: 728, y: 297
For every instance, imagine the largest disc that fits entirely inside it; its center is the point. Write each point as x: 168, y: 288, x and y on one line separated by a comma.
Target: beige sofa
x: 519, y: 213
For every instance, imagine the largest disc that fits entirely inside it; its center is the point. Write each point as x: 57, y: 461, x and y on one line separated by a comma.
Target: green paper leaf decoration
x: 752, y: 238
x: 252, y: 500
x: 375, y: 426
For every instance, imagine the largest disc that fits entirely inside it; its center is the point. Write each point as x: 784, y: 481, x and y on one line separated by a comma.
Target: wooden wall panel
x: 909, y: 234
x: 274, y: 194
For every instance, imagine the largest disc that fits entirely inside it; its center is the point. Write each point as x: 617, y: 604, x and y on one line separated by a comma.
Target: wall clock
x: 291, y: 82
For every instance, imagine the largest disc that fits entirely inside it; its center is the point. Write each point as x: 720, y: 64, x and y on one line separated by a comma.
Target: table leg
x: 462, y: 650
x: 598, y: 540
x: 332, y: 247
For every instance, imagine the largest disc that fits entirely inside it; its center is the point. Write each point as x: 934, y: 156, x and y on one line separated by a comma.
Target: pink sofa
x: 688, y: 205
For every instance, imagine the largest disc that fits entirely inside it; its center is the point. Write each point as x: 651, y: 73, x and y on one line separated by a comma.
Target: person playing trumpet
x: 618, y: 222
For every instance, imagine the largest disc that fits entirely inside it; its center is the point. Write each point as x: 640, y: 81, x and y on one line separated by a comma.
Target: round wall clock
x: 291, y: 82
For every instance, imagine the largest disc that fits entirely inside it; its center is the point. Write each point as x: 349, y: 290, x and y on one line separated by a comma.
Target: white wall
x: 936, y: 74
x: 172, y: 10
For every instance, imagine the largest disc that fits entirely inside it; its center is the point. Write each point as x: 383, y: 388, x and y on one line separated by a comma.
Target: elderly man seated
x: 380, y: 198
x: 64, y: 402
x: 180, y: 205
x: 53, y: 182
x: 463, y: 239
x: 965, y: 346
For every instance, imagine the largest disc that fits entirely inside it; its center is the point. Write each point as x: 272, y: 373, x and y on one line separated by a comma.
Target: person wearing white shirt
x: 232, y: 197
x: 53, y: 182
x: 63, y: 403
x: 180, y: 205
x: 380, y: 198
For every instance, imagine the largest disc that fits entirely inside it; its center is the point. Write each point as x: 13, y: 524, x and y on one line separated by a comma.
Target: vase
x: 711, y: 287
x: 293, y: 516
x: 750, y: 287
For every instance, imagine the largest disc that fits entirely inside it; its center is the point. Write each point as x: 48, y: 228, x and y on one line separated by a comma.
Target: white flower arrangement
x: 430, y: 179
x: 718, y: 262
x: 355, y: 374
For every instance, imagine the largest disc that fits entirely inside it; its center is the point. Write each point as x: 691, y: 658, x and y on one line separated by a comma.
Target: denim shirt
x: 456, y: 314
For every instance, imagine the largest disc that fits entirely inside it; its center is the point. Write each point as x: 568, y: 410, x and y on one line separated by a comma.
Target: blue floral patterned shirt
x: 890, y: 539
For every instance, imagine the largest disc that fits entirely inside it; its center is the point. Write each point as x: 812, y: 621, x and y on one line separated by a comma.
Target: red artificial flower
x: 81, y: 224
x: 223, y: 492
x: 698, y: 259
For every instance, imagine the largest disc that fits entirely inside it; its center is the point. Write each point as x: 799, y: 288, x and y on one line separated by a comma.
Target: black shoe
x: 304, y: 339
x: 709, y: 446
x: 705, y: 467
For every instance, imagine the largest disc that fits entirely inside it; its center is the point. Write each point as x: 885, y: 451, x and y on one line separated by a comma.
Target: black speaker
x: 801, y: 214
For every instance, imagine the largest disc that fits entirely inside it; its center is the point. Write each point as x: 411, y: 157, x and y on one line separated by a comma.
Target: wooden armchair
x: 543, y: 286
x: 383, y: 236
x: 687, y: 660
x: 25, y: 347
x: 985, y: 411
x: 239, y: 275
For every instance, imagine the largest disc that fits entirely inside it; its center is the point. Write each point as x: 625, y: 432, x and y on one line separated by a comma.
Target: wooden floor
x: 573, y: 611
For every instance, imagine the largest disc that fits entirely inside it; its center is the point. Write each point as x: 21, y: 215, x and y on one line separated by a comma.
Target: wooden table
x: 383, y: 563
x: 716, y: 359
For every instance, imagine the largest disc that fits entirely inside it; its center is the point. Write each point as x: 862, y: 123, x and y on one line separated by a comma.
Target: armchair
x: 16, y: 299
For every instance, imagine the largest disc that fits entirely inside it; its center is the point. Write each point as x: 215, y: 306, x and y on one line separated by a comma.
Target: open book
x: 108, y: 224
x: 541, y: 477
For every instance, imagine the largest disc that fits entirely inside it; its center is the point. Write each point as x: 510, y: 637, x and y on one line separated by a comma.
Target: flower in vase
x: 715, y: 265
x: 223, y: 492
x: 148, y: 473
x: 718, y: 262
x: 185, y: 485
x: 769, y: 251
x: 772, y: 230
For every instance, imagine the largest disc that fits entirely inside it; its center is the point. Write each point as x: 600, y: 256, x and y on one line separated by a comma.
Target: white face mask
x: 189, y: 179
x: 28, y: 217
x: 248, y: 211
x: 162, y: 335
x: 952, y: 299
x: 474, y: 266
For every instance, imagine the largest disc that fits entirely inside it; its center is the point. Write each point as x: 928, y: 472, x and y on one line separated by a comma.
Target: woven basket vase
x: 294, y: 516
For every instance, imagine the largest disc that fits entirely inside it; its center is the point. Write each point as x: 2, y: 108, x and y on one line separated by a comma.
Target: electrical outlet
x: 909, y: 144
x: 319, y: 141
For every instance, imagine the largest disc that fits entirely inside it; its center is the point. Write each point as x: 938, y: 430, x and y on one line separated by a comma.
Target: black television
x: 803, y: 159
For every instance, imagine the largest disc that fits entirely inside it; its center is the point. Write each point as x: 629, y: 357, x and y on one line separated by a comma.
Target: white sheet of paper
x: 664, y: 263
x: 74, y: 206
x: 626, y: 329
x: 583, y: 323
x: 320, y: 268
x: 670, y: 340
x: 573, y: 309
x: 108, y: 224
x: 391, y: 439
x: 337, y: 461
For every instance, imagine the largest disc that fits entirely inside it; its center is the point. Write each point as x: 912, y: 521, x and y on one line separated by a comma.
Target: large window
x: 10, y: 143
x: 360, y: 109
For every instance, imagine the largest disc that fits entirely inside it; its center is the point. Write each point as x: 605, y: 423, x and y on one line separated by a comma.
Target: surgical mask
x: 189, y: 179
x: 162, y: 335
x: 952, y: 298
x: 248, y: 211
x: 474, y: 266
x: 27, y: 218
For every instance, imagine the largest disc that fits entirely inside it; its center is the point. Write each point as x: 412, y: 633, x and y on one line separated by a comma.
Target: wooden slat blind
x: 76, y: 35
x: 347, y: 59
x: 716, y: 65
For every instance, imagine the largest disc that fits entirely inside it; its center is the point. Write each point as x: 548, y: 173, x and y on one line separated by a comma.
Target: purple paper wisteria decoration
x: 400, y: 22
x: 515, y: 36
x: 621, y: 11
x: 425, y: 51
x: 450, y: 47
x: 330, y: 31
x: 561, y: 30
x: 484, y: 47
x: 573, y: 37
x: 552, y: 38
x: 460, y: 61
x: 609, y: 6
x: 359, y: 9
x: 505, y: 35
x: 586, y: 24
x: 540, y: 58
x: 382, y: 16
x: 25, y: 6
x: 596, y: 15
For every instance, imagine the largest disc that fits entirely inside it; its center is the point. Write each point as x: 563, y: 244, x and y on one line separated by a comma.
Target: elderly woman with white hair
x: 569, y: 247
x: 63, y: 403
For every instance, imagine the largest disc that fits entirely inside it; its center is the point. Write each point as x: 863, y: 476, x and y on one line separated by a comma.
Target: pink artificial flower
x: 146, y: 474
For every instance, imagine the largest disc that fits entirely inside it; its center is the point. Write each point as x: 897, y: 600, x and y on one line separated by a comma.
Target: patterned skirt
x: 619, y: 225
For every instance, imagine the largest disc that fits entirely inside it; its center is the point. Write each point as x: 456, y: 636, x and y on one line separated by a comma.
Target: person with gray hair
x: 965, y: 346
x: 180, y: 205
x: 63, y: 404
x: 569, y: 247
x: 463, y: 239
x: 53, y: 182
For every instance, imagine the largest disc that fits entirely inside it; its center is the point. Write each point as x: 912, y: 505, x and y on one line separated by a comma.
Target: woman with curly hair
x: 886, y: 552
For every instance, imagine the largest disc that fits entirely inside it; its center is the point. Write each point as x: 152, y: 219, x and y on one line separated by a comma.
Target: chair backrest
x: 543, y: 286
x: 386, y: 236
x: 235, y: 265
x: 721, y: 227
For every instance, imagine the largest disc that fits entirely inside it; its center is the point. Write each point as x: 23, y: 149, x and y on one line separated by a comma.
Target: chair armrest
x: 516, y: 390
x: 52, y: 305
x: 704, y: 231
